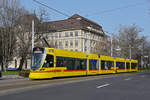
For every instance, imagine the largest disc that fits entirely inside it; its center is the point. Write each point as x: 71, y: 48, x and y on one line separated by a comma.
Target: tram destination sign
x: 38, y: 50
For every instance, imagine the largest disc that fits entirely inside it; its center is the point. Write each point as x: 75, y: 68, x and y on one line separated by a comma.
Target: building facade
x: 77, y: 34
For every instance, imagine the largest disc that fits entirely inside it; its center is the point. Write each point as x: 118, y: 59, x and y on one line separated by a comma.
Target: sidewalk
x: 12, y: 77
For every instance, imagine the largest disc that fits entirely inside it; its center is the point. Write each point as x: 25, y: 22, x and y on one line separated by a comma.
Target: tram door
x: 49, y: 61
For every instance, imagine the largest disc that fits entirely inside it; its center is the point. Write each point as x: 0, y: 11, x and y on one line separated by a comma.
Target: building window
x: 66, y: 43
x: 55, y: 43
x: 46, y: 36
x: 76, y: 43
x: 85, y: 49
x: 66, y: 34
x: 71, y: 43
x: 93, y: 37
x: 71, y: 34
x: 60, y: 43
x: 51, y: 36
x: 104, y: 47
x: 83, y: 34
x: 100, y: 38
x: 76, y: 33
x: 59, y: 35
x: 56, y: 36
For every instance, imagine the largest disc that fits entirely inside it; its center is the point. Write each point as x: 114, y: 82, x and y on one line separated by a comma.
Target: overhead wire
x: 115, y: 9
x: 93, y: 14
x: 62, y: 13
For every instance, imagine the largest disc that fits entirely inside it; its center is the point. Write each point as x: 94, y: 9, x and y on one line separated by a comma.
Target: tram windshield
x: 37, y: 59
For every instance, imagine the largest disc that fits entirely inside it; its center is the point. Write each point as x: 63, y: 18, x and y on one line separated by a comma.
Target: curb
x: 12, y: 77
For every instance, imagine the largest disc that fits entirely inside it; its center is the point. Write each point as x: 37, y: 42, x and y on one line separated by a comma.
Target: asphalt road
x: 122, y: 87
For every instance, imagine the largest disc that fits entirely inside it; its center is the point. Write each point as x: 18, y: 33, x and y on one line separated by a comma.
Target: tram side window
x: 110, y: 64
x: 102, y: 64
x: 83, y: 64
x: 93, y: 64
x: 64, y: 62
x: 107, y: 64
x: 49, y: 61
x: 128, y: 65
x: 71, y: 63
x: 120, y: 65
x: 59, y: 62
x: 133, y: 65
x: 80, y: 64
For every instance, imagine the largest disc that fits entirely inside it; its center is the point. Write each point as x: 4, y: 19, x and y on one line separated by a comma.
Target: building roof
x: 74, y: 22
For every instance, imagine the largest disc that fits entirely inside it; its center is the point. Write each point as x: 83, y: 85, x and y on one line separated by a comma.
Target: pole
x: 32, y: 40
x: 111, y: 47
x: 32, y: 34
x: 130, y: 52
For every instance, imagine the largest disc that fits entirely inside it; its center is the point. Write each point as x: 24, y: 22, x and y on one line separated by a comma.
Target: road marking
x: 127, y: 79
x: 142, y: 76
x: 102, y: 85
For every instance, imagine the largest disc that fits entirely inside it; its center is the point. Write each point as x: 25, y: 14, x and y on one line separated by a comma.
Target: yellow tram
x: 50, y: 62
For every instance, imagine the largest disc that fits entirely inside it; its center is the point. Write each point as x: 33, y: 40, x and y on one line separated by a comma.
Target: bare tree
x: 24, y: 36
x: 42, y: 29
x: 129, y: 40
x: 7, y: 46
x: 144, y: 53
x: 10, y: 10
x: 43, y: 15
x: 23, y: 44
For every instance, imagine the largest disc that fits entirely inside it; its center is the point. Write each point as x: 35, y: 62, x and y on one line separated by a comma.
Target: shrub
x: 24, y: 73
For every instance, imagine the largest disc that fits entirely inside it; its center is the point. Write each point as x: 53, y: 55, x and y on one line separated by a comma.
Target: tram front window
x: 37, y: 59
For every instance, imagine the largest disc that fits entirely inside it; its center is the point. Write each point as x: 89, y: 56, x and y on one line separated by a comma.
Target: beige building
x: 77, y: 34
